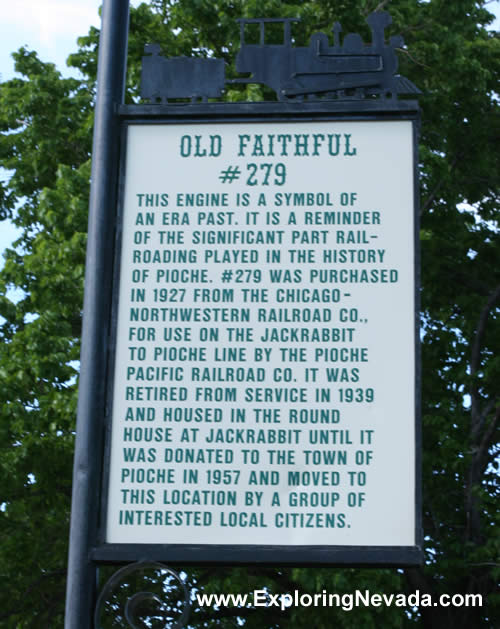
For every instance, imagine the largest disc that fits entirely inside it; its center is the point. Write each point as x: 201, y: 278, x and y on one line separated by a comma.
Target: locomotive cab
x: 266, y: 62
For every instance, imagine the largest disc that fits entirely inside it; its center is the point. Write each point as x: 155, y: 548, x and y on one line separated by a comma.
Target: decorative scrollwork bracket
x: 143, y: 592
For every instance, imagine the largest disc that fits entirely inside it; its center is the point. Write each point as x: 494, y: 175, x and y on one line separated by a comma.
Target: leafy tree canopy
x: 46, y: 125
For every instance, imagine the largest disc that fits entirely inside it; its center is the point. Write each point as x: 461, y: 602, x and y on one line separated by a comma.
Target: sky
x: 51, y: 27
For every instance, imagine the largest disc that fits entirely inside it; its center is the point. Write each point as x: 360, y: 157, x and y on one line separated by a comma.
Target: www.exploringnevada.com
x: 346, y: 602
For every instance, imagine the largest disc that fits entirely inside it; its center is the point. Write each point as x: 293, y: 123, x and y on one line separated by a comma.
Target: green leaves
x: 45, y: 147
x: 46, y: 125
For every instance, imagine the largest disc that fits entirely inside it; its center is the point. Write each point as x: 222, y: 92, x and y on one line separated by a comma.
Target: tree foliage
x: 46, y: 125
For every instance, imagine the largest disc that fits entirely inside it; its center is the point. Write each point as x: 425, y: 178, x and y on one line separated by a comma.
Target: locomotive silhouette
x: 351, y: 69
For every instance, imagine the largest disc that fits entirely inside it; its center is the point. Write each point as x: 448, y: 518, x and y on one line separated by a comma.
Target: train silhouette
x: 180, y: 77
x: 351, y: 69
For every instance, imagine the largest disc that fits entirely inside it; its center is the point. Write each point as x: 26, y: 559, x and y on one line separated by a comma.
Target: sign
x: 249, y: 387
x: 264, y: 375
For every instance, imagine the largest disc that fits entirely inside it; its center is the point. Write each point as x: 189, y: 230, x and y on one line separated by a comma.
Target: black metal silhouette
x: 347, y: 70
x: 319, y: 69
x: 180, y: 77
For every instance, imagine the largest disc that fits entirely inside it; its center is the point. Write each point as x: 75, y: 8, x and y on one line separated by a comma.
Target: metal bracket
x: 119, y: 605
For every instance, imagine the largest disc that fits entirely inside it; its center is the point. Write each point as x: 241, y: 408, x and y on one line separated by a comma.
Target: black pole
x: 80, y: 594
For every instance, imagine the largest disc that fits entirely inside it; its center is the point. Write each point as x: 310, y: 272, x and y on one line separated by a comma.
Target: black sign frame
x: 87, y: 548
x: 213, y: 554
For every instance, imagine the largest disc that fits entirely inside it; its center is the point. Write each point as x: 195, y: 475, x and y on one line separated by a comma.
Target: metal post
x: 80, y: 595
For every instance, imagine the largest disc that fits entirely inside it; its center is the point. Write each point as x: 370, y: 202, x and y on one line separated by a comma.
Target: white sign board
x: 264, y: 376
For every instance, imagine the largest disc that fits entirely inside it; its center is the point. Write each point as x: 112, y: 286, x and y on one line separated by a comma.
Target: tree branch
x: 479, y: 442
x: 475, y: 360
x: 438, y: 186
x: 487, y: 438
